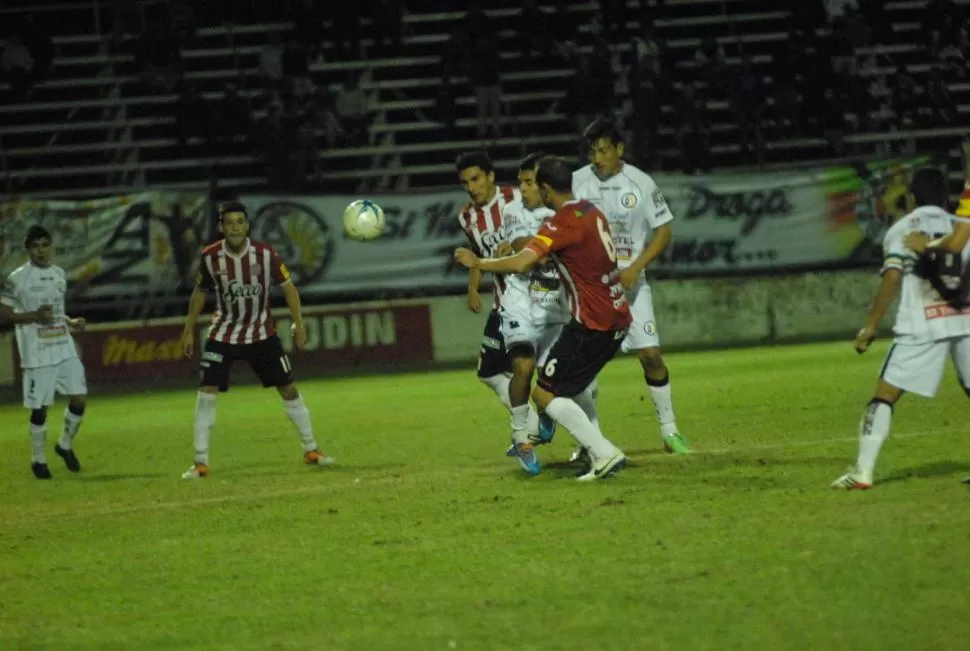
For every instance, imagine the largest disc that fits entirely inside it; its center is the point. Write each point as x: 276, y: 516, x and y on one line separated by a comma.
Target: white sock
x: 300, y: 415
x: 500, y: 385
x: 72, y: 423
x: 663, y: 404
x: 571, y: 416
x: 532, y: 419
x: 38, y: 437
x: 873, y: 432
x: 587, y: 402
x: 520, y: 423
x: 205, y: 418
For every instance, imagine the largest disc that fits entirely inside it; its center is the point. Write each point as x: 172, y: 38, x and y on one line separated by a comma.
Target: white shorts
x: 520, y: 327
x: 918, y: 367
x: 643, y: 330
x: 42, y: 383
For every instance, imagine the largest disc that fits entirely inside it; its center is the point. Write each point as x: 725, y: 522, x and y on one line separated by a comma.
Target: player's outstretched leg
x: 587, y: 402
x: 605, y: 458
x: 73, y: 415
x: 524, y: 420
x: 873, y: 432
x: 205, y: 418
x: 657, y: 377
x: 38, y: 441
x: 299, y: 415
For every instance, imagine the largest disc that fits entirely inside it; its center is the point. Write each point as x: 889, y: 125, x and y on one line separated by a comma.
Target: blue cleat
x: 547, y: 428
x: 526, y: 455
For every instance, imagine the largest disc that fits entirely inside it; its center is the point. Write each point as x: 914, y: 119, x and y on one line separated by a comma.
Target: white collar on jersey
x: 225, y: 247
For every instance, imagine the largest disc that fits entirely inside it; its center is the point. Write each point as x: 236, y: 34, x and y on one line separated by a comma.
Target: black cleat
x: 41, y: 471
x: 70, y: 459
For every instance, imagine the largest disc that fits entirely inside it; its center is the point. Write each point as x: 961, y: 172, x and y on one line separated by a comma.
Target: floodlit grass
x: 426, y: 537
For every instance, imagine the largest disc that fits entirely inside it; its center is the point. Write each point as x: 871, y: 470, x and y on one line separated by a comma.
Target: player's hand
x: 299, y: 335
x: 44, y: 314
x: 629, y: 277
x: 862, y: 340
x: 916, y: 242
x: 188, y: 344
x: 77, y: 325
x: 504, y: 249
x: 466, y: 257
x: 475, y: 302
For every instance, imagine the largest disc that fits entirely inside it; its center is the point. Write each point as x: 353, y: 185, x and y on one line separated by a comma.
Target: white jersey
x: 29, y: 288
x: 632, y: 203
x: 538, y: 291
x: 923, y: 315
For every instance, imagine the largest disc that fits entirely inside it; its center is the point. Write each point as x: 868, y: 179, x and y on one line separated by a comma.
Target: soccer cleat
x: 526, y: 455
x: 605, y: 468
x: 676, y: 444
x: 580, y: 455
x: 41, y: 471
x: 317, y: 458
x: 70, y: 459
x: 547, y: 428
x: 853, y: 480
x: 196, y: 471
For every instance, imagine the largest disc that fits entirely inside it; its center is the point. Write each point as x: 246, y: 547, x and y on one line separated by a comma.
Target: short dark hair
x: 34, y: 233
x: 531, y: 161
x: 556, y: 172
x: 232, y: 206
x: 929, y: 187
x: 478, y: 158
x: 603, y: 128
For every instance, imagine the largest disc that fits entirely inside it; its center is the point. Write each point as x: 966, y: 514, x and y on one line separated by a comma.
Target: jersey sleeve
x: 894, y: 252
x: 656, y: 211
x: 204, y: 279
x: 555, y: 235
x: 10, y: 294
x: 278, y: 270
x: 472, y: 244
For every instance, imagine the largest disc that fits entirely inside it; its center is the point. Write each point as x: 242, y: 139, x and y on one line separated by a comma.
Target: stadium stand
x: 95, y: 123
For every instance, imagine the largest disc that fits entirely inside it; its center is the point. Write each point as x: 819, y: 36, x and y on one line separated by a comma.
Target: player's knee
x: 288, y: 392
x: 38, y: 416
x: 524, y: 364
x: 651, y: 360
x: 76, y: 405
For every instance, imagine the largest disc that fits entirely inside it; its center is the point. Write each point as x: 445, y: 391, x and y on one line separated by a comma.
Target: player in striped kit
x: 241, y: 273
x: 33, y: 300
x: 932, y: 321
x: 532, y: 313
x: 481, y: 221
x: 640, y: 224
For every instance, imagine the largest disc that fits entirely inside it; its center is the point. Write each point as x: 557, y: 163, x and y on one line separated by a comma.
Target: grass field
x: 426, y: 537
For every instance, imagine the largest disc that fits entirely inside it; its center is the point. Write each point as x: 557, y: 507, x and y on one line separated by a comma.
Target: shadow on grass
x: 926, y: 471
x: 123, y: 476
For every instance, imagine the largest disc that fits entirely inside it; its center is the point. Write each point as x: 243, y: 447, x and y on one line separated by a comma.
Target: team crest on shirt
x: 650, y: 328
x: 628, y: 200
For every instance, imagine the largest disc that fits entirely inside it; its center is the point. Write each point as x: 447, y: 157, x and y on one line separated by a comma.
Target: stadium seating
x: 89, y: 128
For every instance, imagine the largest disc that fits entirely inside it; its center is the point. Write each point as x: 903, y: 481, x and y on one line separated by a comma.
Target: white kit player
x: 931, y: 322
x: 481, y: 221
x: 532, y: 313
x: 33, y: 300
x: 637, y: 212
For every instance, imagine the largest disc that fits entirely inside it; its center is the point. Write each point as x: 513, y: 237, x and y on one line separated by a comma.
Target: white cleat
x: 197, y: 471
x: 853, y: 481
x: 579, y: 454
x: 605, y: 468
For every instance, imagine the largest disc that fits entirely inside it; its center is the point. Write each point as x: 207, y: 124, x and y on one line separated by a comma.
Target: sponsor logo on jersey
x: 236, y: 290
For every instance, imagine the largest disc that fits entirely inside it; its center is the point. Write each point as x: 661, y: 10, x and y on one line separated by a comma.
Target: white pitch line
x: 74, y: 514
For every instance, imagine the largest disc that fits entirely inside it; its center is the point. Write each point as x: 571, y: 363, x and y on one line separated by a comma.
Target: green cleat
x: 676, y: 444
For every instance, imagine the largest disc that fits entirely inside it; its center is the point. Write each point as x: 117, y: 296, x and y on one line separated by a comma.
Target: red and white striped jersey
x: 483, y: 227
x: 241, y: 283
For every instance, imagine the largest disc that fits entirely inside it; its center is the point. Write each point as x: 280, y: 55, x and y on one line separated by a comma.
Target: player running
x: 33, y: 300
x: 638, y: 213
x: 928, y: 328
x: 532, y: 311
x: 577, y: 238
x: 241, y: 272
x: 481, y: 220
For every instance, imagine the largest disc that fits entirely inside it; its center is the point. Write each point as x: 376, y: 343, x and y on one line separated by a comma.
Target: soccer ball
x: 363, y: 220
